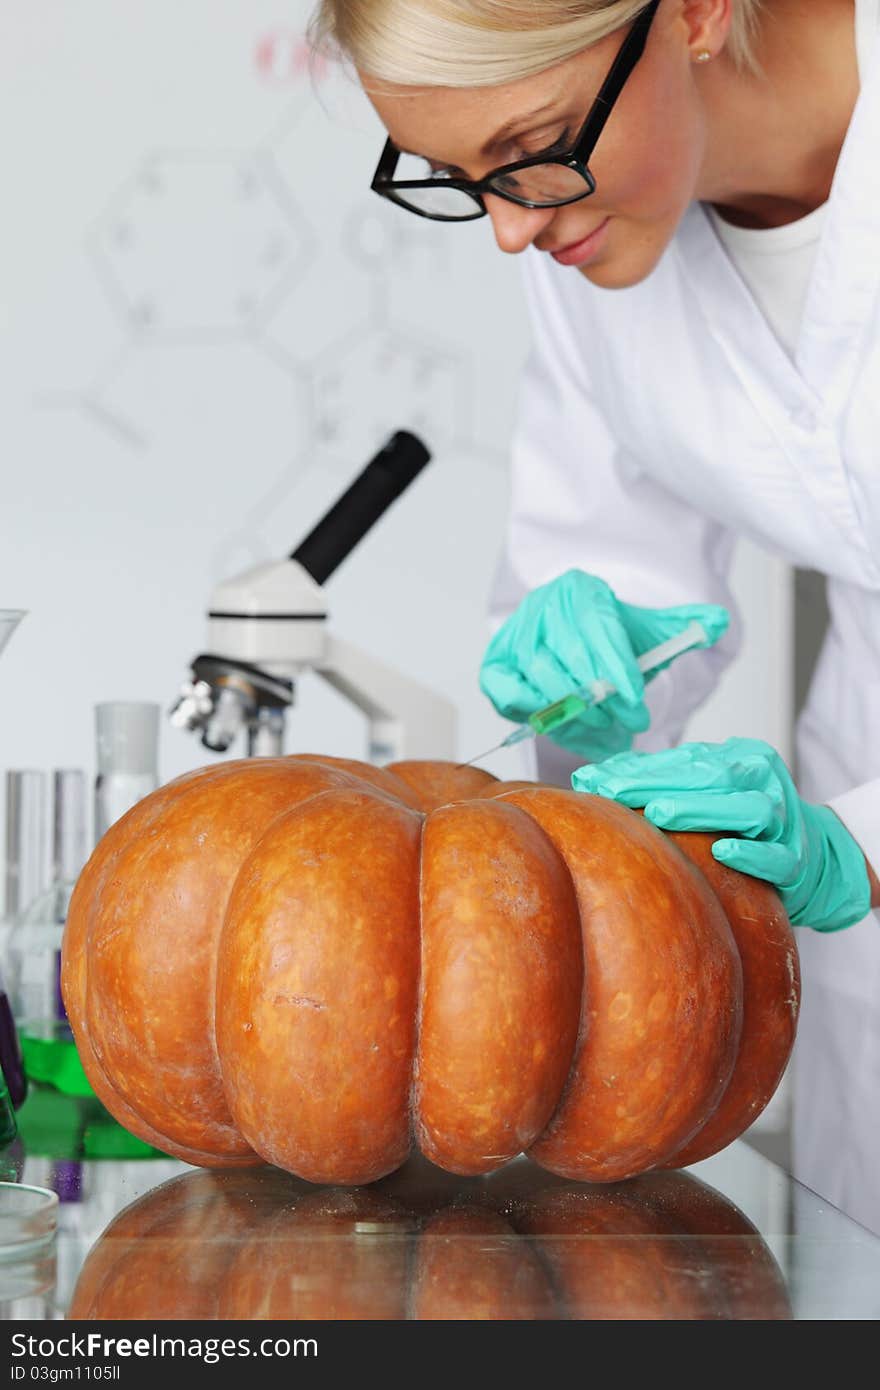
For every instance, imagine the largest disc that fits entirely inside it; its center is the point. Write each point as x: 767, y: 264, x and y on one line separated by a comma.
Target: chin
x: 630, y: 261
x: 619, y: 272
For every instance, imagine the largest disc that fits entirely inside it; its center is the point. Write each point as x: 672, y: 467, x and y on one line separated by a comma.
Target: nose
x: 516, y: 227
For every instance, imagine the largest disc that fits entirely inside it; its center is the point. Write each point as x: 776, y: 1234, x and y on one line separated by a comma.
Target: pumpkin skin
x: 420, y: 1245
x: 311, y: 962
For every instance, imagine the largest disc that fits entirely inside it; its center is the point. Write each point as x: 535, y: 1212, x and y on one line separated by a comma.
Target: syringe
x: 544, y: 721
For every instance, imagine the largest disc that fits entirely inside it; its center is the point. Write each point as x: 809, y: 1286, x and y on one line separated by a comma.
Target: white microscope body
x: 268, y: 625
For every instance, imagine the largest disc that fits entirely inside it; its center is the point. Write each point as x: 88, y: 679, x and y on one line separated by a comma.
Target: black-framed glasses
x: 541, y: 181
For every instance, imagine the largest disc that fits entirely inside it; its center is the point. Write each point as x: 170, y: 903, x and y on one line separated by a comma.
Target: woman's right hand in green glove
x: 571, y: 632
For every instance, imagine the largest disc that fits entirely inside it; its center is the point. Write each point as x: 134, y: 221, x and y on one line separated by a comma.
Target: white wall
x: 209, y: 324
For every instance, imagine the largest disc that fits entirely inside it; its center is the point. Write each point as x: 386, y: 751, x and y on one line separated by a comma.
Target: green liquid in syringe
x: 569, y: 707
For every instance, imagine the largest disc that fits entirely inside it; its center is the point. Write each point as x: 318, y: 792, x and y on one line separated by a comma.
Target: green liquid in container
x: 8, y: 1127
x: 62, y: 1117
x: 50, y: 1057
x: 75, y: 1128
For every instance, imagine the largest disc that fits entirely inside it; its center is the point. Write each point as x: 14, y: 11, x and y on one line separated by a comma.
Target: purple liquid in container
x: 66, y: 1031
x: 67, y: 1176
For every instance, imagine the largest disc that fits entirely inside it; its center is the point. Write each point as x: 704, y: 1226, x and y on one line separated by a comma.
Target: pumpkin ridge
x: 704, y: 889
x: 103, y: 864
x: 308, y: 921
x: 414, y: 1097
x: 583, y: 1022
x: 622, y: 1137
x: 768, y: 956
x: 502, y: 949
x: 348, y: 781
x: 150, y: 815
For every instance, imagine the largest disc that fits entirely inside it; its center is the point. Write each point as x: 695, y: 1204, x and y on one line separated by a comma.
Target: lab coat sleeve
x: 859, y: 810
x: 580, y: 500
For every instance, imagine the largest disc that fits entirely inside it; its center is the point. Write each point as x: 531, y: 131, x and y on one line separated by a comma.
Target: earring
x: 703, y: 56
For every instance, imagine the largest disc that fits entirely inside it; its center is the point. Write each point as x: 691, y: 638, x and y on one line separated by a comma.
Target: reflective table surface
x: 732, y: 1237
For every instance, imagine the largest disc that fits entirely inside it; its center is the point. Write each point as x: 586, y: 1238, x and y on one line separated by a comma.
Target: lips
x: 579, y: 252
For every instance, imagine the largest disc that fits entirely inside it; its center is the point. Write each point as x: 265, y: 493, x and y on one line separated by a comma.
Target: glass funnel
x: 9, y: 621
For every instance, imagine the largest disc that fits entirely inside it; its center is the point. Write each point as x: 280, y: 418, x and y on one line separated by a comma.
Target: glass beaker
x: 127, y: 739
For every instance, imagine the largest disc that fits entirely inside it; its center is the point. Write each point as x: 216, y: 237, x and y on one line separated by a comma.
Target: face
x: 646, y: 165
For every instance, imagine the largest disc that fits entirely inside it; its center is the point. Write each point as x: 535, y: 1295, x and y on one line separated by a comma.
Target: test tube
x: 25, y: 839
x: 25, y: 882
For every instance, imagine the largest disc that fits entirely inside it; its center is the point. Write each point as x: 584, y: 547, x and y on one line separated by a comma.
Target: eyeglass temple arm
x: 387, y: 164
x: 613, y: 85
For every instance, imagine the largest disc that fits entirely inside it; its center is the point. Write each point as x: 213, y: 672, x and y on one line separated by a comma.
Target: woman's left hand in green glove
x: 744, y: 787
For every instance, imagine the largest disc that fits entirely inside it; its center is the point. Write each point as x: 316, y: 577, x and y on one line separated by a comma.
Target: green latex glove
x: 743, y: 786
x: 571, y: 632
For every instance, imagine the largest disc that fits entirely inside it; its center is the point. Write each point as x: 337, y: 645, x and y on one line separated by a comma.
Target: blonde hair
x: 481, y: 43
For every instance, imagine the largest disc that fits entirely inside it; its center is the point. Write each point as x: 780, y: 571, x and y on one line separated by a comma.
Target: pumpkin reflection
x: 425, y: 1244
x: 335, y: 1254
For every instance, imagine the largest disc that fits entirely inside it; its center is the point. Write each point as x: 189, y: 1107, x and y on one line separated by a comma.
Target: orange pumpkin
x: 419, y: 1245
x: 313, y: 963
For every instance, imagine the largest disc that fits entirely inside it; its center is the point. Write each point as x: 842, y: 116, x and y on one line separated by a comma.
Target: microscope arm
x: 406, y: 720
x: 268, y: 625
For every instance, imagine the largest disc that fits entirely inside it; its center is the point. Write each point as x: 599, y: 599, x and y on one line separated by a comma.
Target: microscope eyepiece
x: 349, y: 519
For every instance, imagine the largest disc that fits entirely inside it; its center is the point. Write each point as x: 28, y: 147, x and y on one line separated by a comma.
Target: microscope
x: 268, y: 626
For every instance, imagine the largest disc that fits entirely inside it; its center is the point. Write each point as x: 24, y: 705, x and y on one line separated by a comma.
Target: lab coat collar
x: 843, y: 287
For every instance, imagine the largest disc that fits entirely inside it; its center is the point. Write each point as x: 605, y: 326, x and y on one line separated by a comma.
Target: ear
x: 707, y: 25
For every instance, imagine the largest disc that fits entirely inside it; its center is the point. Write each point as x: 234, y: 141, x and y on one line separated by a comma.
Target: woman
x: 696, y: 189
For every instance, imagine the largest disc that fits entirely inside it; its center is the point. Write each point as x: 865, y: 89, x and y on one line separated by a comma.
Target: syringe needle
x: 544, y: 721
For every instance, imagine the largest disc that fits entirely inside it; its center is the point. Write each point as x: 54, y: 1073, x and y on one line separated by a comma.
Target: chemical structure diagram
x: 245, y: 271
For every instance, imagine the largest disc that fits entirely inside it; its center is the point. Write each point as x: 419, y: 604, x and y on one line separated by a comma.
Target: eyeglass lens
x: 543, y: 184
x: 439, y: 201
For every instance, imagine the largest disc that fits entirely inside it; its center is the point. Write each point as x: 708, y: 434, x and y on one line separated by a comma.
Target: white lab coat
x: 657, y: 423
